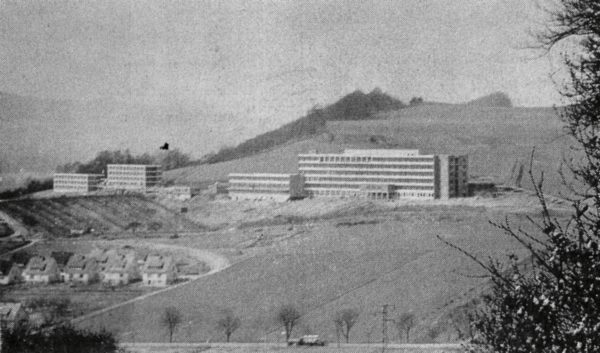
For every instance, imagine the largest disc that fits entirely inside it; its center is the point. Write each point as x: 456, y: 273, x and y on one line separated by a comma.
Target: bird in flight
x: 165, y: 147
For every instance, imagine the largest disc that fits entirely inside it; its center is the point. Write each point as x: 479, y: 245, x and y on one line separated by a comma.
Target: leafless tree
x: 404, y: 323
x: 288, y: 316
x: 228, y: 323
x: 171, y: 319
x: 344, y: 320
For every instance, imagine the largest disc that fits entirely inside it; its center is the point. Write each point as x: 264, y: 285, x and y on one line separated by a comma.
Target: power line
x: 384, y: 321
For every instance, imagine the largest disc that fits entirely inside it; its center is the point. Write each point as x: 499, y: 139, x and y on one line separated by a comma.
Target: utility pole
x: 384, y: 321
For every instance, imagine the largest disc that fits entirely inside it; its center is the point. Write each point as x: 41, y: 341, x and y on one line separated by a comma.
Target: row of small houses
x: 111, y: 267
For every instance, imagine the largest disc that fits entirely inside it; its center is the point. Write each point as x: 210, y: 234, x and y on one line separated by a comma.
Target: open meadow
x: 360, y: 258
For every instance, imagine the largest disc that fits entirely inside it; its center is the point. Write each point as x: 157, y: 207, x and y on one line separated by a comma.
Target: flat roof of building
x: 380, y: 152
x: 372, y: 153
x: 78, y: 174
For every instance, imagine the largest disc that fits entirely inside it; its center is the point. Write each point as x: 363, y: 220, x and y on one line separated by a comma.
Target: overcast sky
x: 271, y: 57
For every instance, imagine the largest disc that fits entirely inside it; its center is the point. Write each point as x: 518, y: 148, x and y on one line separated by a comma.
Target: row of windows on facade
x: 113, y: 183
x: 259, y: 187
x: 132, y: 167
x: 352, y: 159
x: 75, y: 177
x: 358, y: 186
x: 365, y: 166
x: 257, y: 178
x: 129, y: 177
x: 356, y: 194
x: 72, y: 182
x: 265, y: 191
x: 374, y: 179
x: 259, y: 181
x: 136, y: 173
x: 352, y: 173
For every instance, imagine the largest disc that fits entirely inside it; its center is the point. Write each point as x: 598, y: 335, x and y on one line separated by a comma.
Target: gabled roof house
x: 41, y: 269
x: 158, y: 270
x: 81, y: 268
x: 120, y: 268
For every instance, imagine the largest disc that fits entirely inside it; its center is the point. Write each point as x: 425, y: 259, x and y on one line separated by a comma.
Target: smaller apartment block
x: 266, y: 186
x: 76, y: 182
x: 133, y: 176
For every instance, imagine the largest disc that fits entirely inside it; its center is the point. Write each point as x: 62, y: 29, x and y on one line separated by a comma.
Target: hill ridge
x: 353, y: 106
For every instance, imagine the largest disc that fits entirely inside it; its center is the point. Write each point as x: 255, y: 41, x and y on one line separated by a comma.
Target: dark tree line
x: 170, y: 159
x: 24, y: 338
x: 31, y: 187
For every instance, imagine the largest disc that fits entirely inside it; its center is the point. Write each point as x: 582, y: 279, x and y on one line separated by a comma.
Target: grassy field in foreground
x: 396, y: 260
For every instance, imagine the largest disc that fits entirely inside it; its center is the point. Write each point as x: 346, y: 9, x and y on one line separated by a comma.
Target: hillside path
x: 17, y: 227
x: 215, y: 261
x: 33, y: 242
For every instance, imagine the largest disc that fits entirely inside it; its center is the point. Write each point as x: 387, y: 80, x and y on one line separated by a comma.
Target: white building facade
x: 75, y: 182
x: 266, y: 186
x: 383, y: 174
x: 133, y: 176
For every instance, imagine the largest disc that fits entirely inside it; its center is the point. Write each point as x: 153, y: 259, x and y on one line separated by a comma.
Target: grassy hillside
x: 354, y: 106
x: 360, y: 261
x: 280, y: 159
x: 499, y: 141
x: 56, y: 216
x: 496, y: 99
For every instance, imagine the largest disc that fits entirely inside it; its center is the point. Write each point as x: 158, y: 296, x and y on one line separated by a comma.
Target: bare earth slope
x: 56, y: 216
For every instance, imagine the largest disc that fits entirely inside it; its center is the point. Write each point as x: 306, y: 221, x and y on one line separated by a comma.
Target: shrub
x: 62, y: 339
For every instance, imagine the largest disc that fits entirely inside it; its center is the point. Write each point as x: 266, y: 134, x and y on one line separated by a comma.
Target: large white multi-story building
x: 75, y: 182
x: 133, y: 176
x: 384, y: 174
x: 263, y: 186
